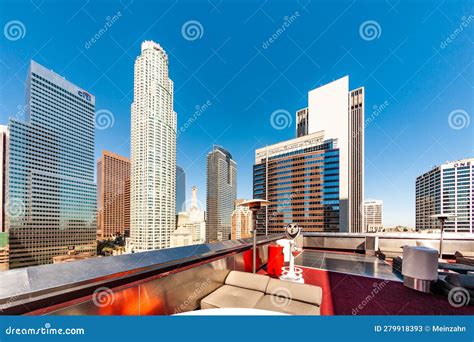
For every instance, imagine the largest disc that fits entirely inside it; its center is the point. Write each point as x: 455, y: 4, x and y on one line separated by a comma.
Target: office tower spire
x: 153, y: 152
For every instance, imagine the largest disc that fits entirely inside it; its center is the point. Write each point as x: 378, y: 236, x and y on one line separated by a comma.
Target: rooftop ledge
x: 24, y: 285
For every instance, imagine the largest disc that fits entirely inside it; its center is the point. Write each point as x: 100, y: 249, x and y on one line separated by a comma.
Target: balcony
x: 175, y: 280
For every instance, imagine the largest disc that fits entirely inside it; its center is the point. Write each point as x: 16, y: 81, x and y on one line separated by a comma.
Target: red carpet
x: 345, y: 294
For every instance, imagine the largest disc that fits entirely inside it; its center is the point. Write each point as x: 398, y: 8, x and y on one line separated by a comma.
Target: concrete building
x: 372, y: 216
x: 3, y: 173
x: 241, y: 221
x: 180, y: 189
x: 51, y: 193
x: 339, y: 112
x: 153, y: 152
x: 300, y: 177
x: 113, y: 171
x: 221, y: 194
x: 193, y: 220
x: 446, y: 189
x: 181, y: 237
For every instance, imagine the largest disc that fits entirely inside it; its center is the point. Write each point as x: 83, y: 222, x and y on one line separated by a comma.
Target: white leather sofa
x: 248, y: 290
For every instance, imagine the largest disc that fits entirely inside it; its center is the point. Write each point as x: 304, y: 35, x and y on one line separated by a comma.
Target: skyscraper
x: 180, y: 189
x: 51, y: 195
x: 221, y: 194
x: 153, y: 152
x: 3, y: 173
x: 300, y: 178
x: 446, y: 189
x: 372, y: 216
x: 338, y: 112
x: 113, y: 171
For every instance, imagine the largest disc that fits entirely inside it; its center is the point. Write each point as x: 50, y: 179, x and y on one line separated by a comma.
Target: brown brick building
x: 113, y: 195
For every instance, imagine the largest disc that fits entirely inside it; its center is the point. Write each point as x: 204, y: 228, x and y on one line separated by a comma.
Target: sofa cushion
x: 250, y: 281
x: 302, y: 292
x: 286, y: 305
x: 231, y: 297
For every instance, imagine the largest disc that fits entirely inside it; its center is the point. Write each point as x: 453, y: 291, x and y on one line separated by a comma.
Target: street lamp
x: 442, y: 218
x: 254, y: 205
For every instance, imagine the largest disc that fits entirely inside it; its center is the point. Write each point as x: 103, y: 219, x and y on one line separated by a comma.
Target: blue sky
x: 408, y: 65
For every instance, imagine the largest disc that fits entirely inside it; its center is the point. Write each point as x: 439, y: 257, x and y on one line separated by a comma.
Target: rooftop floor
x: 348, y: 263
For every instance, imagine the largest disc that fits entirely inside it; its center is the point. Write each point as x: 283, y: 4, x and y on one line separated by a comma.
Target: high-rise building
x: 338, y: 112
x: 180, y: 189
x: 372, y: 216
x: 193, y: 220
x: 221, y: 194
x: 4, y: 251
x: 3, y: 173
x: 241, y: 221
x: 113, y: 171
x: 51, y: 194
x: 300, y: 177
x: 153, y: 152
x: 446, y: 189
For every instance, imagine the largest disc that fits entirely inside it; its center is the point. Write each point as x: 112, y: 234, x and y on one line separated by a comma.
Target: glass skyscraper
x: 300, y: 177
x: 51, y: 195
x: 447, y: 189
x: 221, y: 194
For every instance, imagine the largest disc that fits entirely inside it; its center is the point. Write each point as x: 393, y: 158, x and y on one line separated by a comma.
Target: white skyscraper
x: 153, y: 152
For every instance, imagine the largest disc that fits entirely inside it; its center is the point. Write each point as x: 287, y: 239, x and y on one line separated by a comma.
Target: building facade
x: 300, y: 177
x: 221, y: 194
x: 180, y: 189
x: 339, y: 112
x: 241, y: 221
x: 51, y: 194
x: 153, y: 152
x: 113, y: 171
x: 194, y: 219
x: 447, y: 189
x: 372, y: 216
x: 3, y: 173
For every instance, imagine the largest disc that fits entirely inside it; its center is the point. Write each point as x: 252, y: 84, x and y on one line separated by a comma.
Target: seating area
x: 257, y: 291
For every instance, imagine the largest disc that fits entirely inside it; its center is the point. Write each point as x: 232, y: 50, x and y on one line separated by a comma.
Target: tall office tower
x: 447, y: 189
x: 221, y: 194
x: 153, y: 152
x: 300, y: 177
x: 193, y: 220
x: 338, y: 112
x: 180, y: 189
x: 112, y: 174
x: 3, y: 173
x: 372, y: 216
x: 127, y: 205
x: 241, y: 221
x: 51, y: 195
